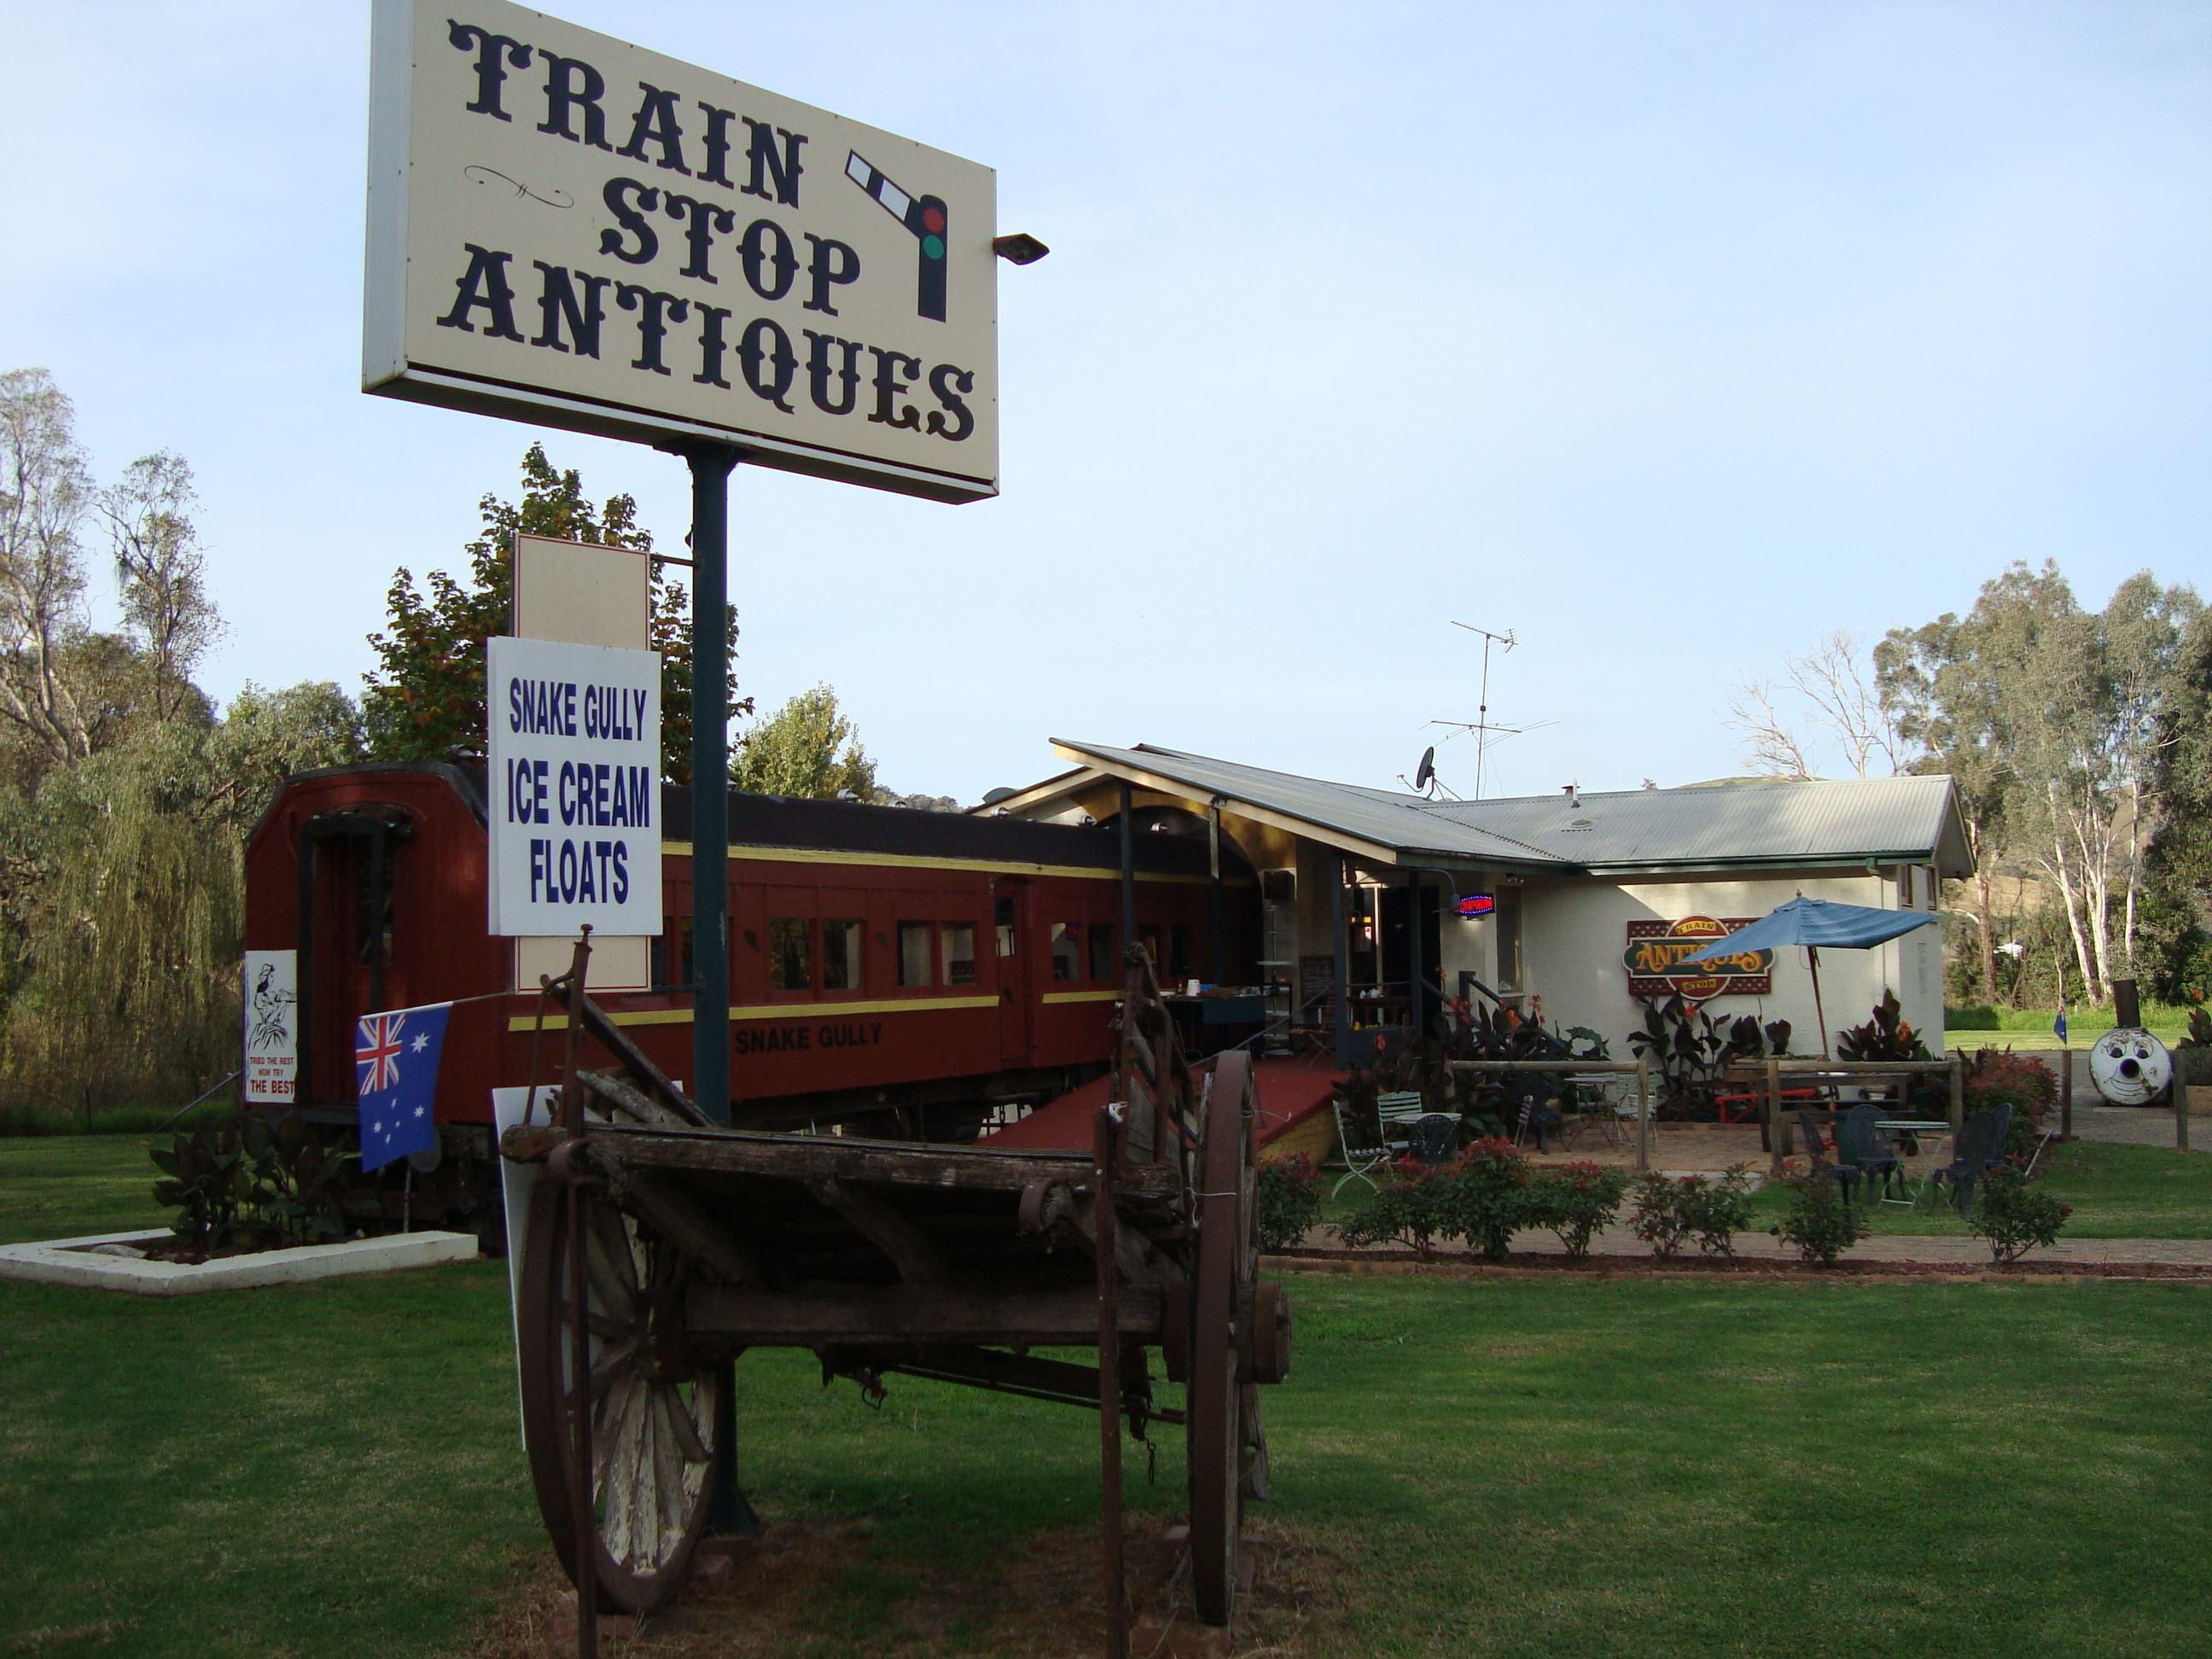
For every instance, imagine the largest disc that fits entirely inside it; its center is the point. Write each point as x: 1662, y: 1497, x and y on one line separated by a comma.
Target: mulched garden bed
x: 1456, y: 1265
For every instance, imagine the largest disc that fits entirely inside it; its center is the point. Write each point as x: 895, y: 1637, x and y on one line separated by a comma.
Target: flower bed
x: 131, y: 1262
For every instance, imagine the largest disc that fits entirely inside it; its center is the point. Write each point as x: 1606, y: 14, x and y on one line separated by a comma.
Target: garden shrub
x: 1481, y: 1197
x: 206, y: 1180
x: 1719, y: 1209
x: 2193, y: 1055
x: 1972, y: 1017
x: 1998, y: 1077
x: 1887, y: 1036
x: 2014, y: 1215
x: 1818, y: 1221
x: 1669, y: 1213
x: 1490, y: 1188
x: 1574, y: 1200
x: 1414, y: 1204
x: 1290, y: 1201
x: 1657, y: 1218
x: 239, y: 1181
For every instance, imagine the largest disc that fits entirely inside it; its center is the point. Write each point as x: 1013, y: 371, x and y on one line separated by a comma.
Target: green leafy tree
x: 2050, y: 715
x: 425, y: 699
x: 161, y: 575
x: 2178, y: 872
x: 1944, y: 713
x: 807, y: 748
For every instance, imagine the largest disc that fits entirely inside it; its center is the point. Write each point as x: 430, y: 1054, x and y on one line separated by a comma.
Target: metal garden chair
x: 1844, y: 1172
x: 1396, y: 1112
x: 1981, y: 1143
x: 1858, y: 1143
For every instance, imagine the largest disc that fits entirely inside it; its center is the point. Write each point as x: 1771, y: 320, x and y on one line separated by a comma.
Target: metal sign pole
x: 710, y: 772
x: 711, y: 464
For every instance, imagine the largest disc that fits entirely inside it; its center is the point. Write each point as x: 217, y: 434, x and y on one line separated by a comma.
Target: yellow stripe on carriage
x: 766, y: 1011
x: 740, y: 855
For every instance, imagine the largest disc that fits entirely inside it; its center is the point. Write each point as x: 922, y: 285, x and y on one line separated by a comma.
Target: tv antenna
x: 1482, y: 725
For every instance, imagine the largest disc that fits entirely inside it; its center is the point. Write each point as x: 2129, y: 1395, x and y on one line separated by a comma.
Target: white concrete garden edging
x: 79, y: 1261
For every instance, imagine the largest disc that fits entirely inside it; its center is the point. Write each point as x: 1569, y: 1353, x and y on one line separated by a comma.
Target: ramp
x: 1294, y: 1116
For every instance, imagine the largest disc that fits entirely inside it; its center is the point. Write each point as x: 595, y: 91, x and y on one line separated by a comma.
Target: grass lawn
x: 67, y: 1186
x: 1519, y: 1466
x: 2046, y: 1039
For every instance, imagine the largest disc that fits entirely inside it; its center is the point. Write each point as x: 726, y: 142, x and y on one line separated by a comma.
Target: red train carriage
x: 904, y: 968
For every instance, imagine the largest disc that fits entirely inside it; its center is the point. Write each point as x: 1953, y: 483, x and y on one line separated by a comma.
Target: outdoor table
x: 1925, y: 1132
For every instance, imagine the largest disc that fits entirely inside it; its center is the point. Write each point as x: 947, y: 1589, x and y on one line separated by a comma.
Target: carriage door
x: 350, y: 864
x: 1016, y: 961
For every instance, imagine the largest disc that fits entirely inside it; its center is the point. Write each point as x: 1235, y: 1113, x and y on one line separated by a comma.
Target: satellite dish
x: 993, y: 797
x: 1427, y: 768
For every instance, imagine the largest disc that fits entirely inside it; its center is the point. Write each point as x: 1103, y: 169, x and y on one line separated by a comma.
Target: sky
x: 1669, y: 337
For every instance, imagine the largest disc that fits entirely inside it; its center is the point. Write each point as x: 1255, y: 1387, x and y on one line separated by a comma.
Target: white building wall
x: 1464, y: 945
x: 1575, y: 932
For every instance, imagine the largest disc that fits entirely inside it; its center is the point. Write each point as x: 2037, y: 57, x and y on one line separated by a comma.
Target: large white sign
x: 574, y: 788
x: 272, y: 1026
x: 569, y: 230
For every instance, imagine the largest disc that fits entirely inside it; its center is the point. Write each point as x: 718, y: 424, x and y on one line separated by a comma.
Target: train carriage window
x: 914, y: 963
x: 1101, y: 950
x: 666, y: 975
x: 841, y: 956
x: 1148, y: 935
x: 1066, y: 952
x: 1004, y: 917
x: 378, y: 936
x: 1179, y: 950
x: 790, y: 954
x: 959, y: 953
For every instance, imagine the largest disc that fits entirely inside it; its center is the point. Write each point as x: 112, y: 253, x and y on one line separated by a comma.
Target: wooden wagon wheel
x: 1227, y: 1449
x: 653, y: 1416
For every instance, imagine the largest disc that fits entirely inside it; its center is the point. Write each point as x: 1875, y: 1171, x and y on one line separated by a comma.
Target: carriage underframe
x: 693, y: 1243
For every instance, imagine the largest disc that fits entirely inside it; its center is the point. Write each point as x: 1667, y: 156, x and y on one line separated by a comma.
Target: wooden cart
x: 692, y: 1243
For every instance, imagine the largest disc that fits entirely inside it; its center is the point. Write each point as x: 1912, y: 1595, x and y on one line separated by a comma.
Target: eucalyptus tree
x: 161, y: 574
x: 1945, y: 715
x: 2048, y: 715
x: 45, y: 495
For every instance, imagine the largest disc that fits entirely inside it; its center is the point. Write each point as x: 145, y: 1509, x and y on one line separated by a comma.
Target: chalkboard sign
x: 1316, y: 979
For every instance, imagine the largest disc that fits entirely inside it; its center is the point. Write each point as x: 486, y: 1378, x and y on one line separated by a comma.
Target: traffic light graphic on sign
x: 925, y: 216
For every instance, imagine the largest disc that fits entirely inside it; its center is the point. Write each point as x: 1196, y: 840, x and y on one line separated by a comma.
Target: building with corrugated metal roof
x: 1570, y: 906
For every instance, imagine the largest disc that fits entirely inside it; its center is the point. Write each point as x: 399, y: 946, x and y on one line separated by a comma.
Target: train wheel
x: 1227, y: 1450
x: 653, y: 1416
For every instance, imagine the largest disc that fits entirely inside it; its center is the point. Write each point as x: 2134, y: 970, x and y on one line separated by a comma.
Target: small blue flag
x: 395, y: 1059
x: 2059, y: 1025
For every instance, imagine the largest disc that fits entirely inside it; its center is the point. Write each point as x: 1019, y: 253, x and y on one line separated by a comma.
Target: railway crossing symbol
x: 926, y: 217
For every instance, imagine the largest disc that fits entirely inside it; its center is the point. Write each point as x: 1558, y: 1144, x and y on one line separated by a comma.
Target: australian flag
x: 395, y: 1061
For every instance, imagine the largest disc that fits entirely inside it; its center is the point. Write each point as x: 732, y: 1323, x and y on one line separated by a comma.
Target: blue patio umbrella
x: 1812, y: 923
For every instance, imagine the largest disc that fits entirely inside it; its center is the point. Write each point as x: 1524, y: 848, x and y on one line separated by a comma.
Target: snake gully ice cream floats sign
x: 576, y: 788
x: 569, y: 230
x: 1655, y: 947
